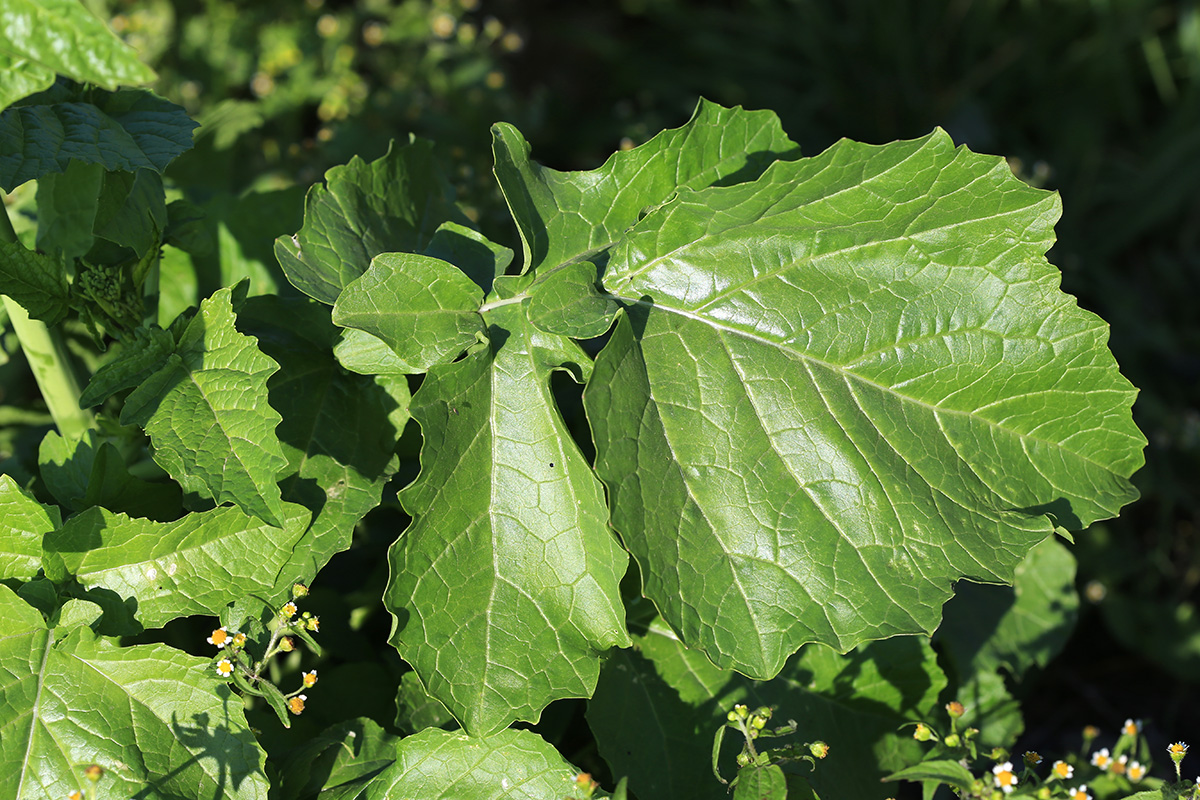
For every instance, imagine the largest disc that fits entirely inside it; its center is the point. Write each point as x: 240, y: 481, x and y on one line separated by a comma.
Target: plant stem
x: 49, y: 360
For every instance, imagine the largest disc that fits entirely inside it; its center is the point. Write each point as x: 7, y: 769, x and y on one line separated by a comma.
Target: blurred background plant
x: 1098, y: 99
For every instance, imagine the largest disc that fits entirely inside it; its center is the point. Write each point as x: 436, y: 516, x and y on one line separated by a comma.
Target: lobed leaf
x: 505, y: 586
x: 393, y: 204
x: 158, y: 721
x: 843, y: 386
x: 564, y: 215
x: 206, y: 412
x: 124, y: 130
x: 195, y: 565
x: 339, y: 430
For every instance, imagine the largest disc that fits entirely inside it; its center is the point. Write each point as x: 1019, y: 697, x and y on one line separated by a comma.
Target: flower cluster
x: 1119, y: 769
x: 234, y: 663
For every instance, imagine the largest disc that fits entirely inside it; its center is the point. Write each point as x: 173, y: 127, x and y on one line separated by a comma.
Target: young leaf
x: 195, y: 565
x: 123, y: 130
x: 392, y: 204
x: 38, y: 282
x: 139, y: 356
x: 509, y: 563
x: 26, y: 521
x: 424, y: 309
x: 893, y: 394
x: 761, y: 783
x: 207, y: 414
x: 656, y: 707
x: 339, y: 430
x: 951, y: 773
x: 155, y: 719
x: 563, y: 215
x: 64, y: 37
x: 436, y: 765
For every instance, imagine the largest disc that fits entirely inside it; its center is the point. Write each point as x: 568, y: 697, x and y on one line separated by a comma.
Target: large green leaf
x: 657, y: 707
x: 339, y: 430
x: 842, y: 387
x: 512, y: 764
x: 26, y: 521
x: 505, y: 586
x: 206, y: 411
x: 124, y: 130
x: 392, y: 204
x: 44, y: 37
x: 159, y: 722
x: 564, y: 215
x: 196, y: 565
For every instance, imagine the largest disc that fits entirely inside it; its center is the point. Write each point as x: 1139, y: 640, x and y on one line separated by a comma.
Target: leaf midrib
x: 850, y: 374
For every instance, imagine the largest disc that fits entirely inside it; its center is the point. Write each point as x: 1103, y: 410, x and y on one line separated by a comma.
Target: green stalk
x: 49, y: 360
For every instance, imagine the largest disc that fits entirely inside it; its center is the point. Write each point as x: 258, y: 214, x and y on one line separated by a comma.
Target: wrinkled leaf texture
x: 835, y: 386
x: 158, y: 721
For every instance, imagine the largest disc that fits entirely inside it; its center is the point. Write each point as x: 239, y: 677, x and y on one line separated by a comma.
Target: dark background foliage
x: 1099, y: 100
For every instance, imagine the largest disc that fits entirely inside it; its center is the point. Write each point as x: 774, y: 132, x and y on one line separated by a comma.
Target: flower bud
x: 922, y: 733
x: 819, y: 749
x: 286, y: 645
x: 955, y: 709
x: 299, y: 590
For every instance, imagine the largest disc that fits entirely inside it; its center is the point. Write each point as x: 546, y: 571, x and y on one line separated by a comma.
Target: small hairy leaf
x: 505, y: 586
x: 393, y: 204
x: 137, y: 358
x: 196, y: 565
x: 124, y: 130
x: 158, y: 721
x: 206, y: 412
x: 45, y: 37
x: 25, y: 522
x: 37, y: 282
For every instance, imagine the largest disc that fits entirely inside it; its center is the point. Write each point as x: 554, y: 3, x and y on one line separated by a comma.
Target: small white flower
x: 1004, y: 777
x: 224, y: 667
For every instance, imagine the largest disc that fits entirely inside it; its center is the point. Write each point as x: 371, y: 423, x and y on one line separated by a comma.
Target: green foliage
x: 817, y: 393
